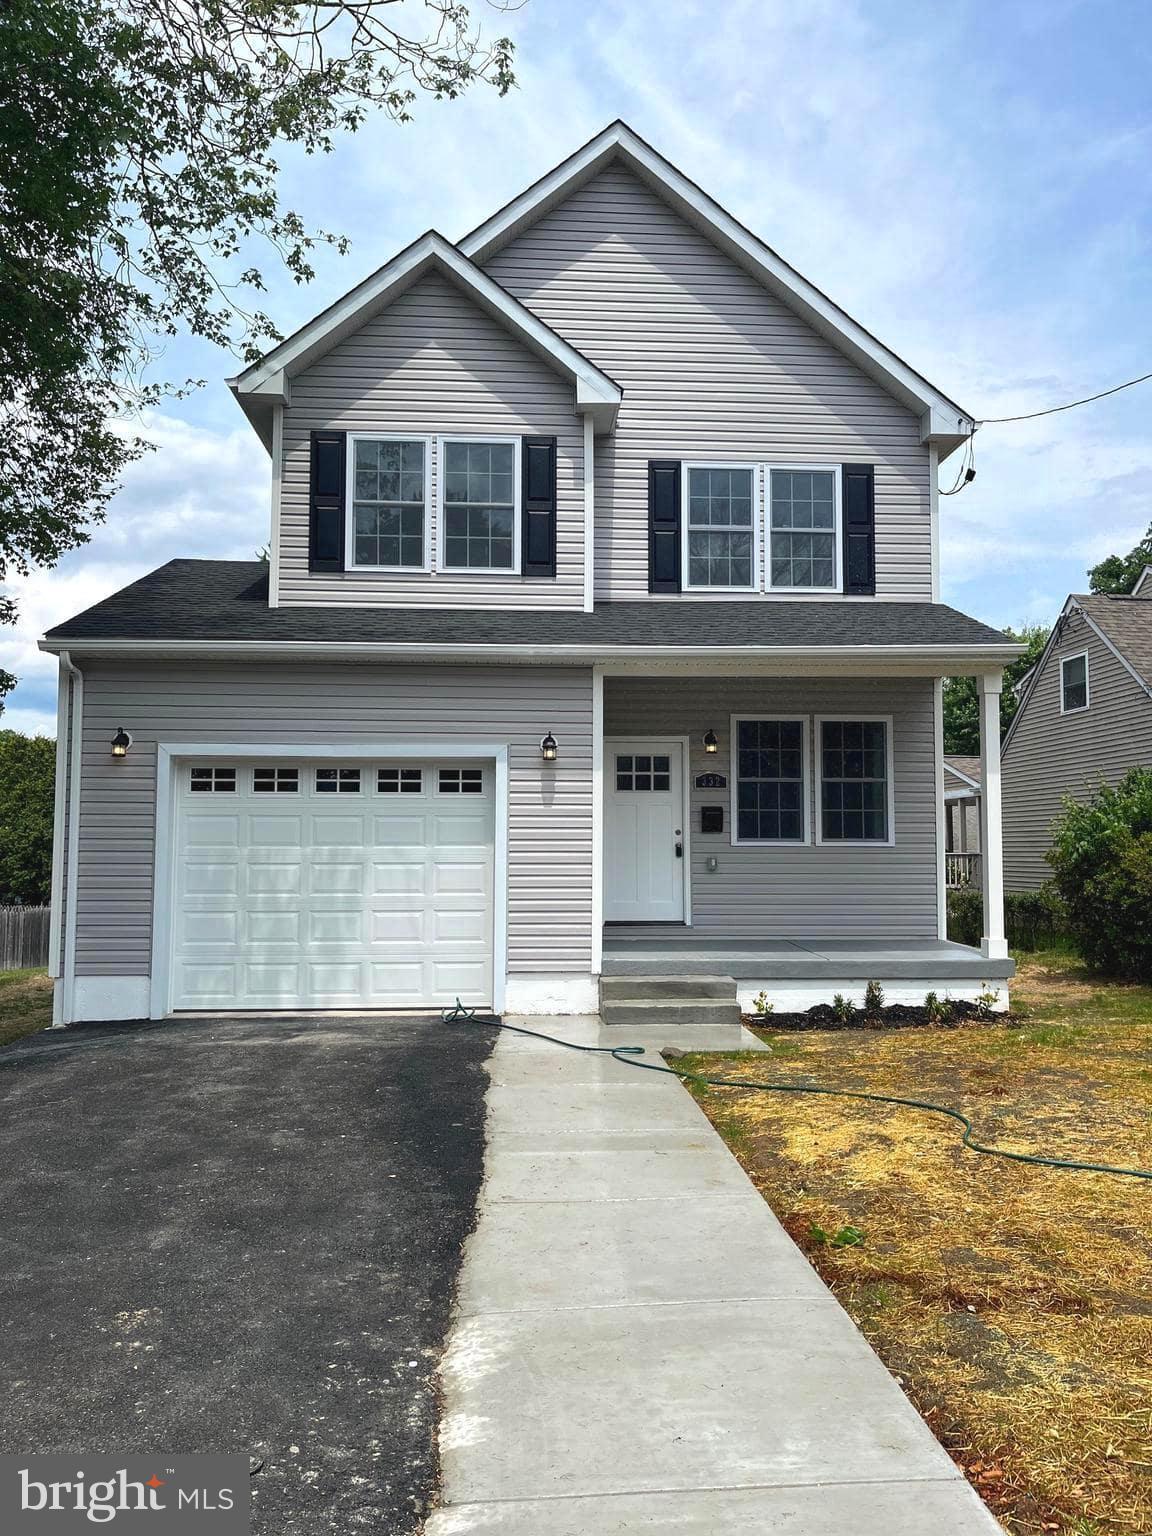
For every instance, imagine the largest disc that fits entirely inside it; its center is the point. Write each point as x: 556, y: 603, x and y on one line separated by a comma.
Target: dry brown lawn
x: 1014, y: 1303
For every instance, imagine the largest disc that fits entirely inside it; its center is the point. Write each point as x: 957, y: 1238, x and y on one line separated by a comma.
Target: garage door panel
x: 300, y: 902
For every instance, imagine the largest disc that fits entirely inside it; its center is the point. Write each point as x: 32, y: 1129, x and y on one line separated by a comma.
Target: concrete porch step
x: 703, y: 1011
x: 660, y: 988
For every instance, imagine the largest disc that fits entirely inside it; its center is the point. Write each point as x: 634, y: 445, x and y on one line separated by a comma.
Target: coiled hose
x: 627, y: 1055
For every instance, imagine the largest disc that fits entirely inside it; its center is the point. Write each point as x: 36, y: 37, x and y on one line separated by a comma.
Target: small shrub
x: 939, y: 1009
x: 873, y: 997
x: 761, y: 1004
x: 986, y: 1004
x: 842, y: 1009
x: 1101, y: 856
x: 1032, y: 919
x: 966, y: 915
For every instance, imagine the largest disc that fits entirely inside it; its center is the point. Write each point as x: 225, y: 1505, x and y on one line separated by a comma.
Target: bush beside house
x: 1032, y: 919
x: 1101, y: 858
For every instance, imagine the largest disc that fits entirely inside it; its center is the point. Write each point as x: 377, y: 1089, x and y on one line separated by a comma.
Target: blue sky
x: 970, y: 182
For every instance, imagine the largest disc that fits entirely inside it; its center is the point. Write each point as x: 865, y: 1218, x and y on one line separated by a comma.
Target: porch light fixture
x: 120, y: 743
x: 548, y: 748
x: 710, y: 742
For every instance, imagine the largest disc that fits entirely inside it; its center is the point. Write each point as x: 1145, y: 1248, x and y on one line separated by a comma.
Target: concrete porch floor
x: 640, y: 1348
x: 671, y: 949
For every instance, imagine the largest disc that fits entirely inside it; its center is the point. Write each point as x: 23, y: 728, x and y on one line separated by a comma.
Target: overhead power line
x: 993, y: 421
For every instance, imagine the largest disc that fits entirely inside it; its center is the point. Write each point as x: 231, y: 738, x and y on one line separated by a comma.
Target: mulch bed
x: 894, y: 1016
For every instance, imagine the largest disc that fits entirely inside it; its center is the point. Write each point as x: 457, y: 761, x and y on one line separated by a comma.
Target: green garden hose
x: 627, y: 1056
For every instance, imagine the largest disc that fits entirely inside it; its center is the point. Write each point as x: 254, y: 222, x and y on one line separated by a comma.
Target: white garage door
x: 333, y: 885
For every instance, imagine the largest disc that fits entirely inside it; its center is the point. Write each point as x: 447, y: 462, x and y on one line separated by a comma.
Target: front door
x: 643, y: 831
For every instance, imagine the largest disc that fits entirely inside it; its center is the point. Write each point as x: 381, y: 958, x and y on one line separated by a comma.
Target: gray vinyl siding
x: 712, y: 366
x: 432, y: 363
x: 804, y: 891
x: 550, y: 808
x: 1050, y: 755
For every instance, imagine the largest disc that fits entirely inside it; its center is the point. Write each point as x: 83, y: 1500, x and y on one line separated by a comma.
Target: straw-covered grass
x: 1014, y: 1303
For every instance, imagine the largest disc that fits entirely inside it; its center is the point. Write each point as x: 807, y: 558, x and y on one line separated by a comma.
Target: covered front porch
x: 784, y: 826
x: 797, y: 973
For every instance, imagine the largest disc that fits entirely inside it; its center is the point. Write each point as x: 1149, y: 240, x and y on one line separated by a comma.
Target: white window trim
x: 837, y: 529
x: 686, y: 469
x: 850, y: 717
x: 804, y: 721
x: 1077, y: 709
x: 517, y: 509
x: 350, y: 501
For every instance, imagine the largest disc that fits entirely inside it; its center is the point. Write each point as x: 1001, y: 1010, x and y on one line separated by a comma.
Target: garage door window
x: 276, y: 781
x: 207, y: 781
x: 399, y: 781
x: 461, y: 781
x: 337, y: 781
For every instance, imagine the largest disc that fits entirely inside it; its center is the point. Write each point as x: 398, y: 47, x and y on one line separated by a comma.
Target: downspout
x: 66, y: 849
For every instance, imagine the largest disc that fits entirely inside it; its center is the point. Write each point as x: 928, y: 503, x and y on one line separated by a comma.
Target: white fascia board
x: 270, y: 377
x: 963, y: 777
x: 1143, y: 580
x: 942, y: 421
x: 934, y: 658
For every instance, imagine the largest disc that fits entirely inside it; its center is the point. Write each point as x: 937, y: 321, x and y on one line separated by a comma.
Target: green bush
x: 1032, y: 919
x: 1101, y: 858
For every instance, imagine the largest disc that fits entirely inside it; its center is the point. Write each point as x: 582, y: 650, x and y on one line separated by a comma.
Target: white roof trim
x: 1145, y: 577
x: 964, y: 778
x: 942, y: 420
x: 268, y: 381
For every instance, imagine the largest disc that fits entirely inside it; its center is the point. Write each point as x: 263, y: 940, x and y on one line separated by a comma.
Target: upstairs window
x: 389, y: 503
x: 1073, y: 683
x: 480, y: 504
x: 855, y: 781
x: 804, y: 529
x: 720, y: 526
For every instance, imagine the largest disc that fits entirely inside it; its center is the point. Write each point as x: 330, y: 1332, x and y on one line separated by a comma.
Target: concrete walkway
x: 639, y: 1346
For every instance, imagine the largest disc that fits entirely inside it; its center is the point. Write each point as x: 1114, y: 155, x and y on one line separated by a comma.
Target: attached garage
x: 301, y: 883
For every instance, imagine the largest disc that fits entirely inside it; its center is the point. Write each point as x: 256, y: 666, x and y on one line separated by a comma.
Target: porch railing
x: 961, y: 869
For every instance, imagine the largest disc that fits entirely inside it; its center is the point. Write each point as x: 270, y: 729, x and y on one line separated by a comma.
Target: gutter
x: 986, y: 655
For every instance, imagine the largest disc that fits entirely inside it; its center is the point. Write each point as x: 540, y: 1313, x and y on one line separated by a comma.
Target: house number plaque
x: 711, y: 781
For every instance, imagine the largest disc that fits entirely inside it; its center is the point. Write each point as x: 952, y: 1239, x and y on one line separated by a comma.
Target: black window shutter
x: 326, y: 512
x: 858, y: 482
x: 663, y: 525
x: 538, y: 490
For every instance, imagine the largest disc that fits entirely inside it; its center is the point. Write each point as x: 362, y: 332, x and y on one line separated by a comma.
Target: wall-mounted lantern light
x: 548, y: 748
x: 710, y: 742
x: 120, y: 743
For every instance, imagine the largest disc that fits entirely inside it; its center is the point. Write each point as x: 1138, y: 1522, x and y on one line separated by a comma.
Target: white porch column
x: 993, y: 946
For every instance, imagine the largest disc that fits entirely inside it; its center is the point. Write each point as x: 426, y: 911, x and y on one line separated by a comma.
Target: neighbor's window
x: 479, y: 505
x: 802, y: 529
x: 720, y: 525
x: 388, y: 502
x: 770, y: 781
x: 854, y: 781
x: 1073, y: 683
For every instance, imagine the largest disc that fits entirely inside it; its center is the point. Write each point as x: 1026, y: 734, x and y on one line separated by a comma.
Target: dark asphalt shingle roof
x: 968, y: 766
x: 228, y: 600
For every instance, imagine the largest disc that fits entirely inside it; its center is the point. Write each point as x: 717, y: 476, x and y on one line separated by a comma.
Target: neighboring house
x: 962, y: 820
x: 1085, y: 718
x: 602, y: 594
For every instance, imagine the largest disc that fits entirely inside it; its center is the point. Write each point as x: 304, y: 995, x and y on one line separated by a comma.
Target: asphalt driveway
x: 241, y: 1235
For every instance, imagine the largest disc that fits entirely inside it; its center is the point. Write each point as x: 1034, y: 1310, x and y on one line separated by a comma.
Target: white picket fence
x: 23, y: 937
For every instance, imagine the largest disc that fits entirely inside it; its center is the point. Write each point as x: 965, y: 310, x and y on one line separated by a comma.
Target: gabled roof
x: 1143, y: 587
x: 1122, y: 624
x: 943, y: 422
x: 268, y: 382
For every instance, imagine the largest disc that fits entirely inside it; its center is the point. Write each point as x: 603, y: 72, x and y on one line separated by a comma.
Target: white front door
x: 643, y: 831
